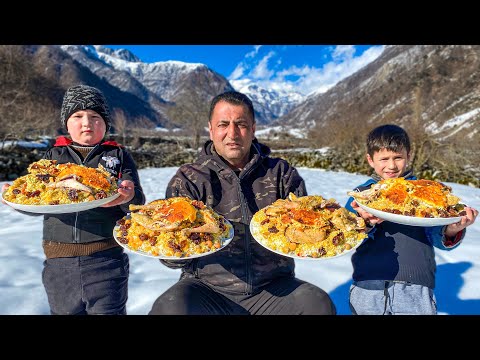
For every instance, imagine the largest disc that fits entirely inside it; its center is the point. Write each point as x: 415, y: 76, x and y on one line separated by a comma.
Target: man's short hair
x: 389, y: 137
x: 234, y: 98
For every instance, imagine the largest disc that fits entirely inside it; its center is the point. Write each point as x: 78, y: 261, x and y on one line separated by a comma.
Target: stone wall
x: 155, y: 152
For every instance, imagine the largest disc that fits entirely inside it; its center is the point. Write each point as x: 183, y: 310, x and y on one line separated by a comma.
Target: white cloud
x: 261, y: 71
x: 243, y: 66
x: 237, y: 73
x: 343, y: 52
x: 303, y: 79
x: 254, y: 52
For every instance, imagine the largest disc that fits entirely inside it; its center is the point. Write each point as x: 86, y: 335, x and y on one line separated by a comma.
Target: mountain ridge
x: 430, y: 86
x: 430, y: 90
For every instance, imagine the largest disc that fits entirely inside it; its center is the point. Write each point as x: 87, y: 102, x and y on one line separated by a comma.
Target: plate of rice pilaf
x: 62, y: 209
x: 409, y: 220
x: 52, y: 188
x: 411, y: 202
x: 307, y: 227
x: 177, y: 228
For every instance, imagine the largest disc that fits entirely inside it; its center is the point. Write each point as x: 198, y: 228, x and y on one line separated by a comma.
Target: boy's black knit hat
x: 83, y: 97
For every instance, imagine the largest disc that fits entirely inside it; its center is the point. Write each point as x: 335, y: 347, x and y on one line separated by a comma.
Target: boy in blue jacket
x: 394, y: 268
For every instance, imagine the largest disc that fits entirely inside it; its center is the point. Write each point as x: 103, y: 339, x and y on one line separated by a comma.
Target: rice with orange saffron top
x: 307, y: 226
x: 177, y: 227
x: 50, y: 183
x: 417, y: 198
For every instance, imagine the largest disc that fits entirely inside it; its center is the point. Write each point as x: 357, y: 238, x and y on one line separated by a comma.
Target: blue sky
x: 300, y: 68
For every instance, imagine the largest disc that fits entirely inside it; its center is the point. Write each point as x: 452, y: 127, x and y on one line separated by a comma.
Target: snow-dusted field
x: 21, y: 256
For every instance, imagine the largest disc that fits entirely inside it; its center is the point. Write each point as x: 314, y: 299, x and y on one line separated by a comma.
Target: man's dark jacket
x: 95, y: 224
x: 243, y: 266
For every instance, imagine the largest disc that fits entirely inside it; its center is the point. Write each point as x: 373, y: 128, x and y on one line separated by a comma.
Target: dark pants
x: 285, y: 296
x: 87, y: 285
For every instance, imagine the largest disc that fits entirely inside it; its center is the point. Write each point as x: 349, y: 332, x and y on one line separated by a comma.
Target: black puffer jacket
x: 95, y: 224
x: 244, y: 265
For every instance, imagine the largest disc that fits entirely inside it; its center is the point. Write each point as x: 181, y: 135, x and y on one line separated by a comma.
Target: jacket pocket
x: 433, y: 300
x: 350, y: 305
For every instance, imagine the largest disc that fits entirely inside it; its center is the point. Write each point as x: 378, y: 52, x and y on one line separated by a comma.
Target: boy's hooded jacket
x: 95, y: 224
x: 244, y: 265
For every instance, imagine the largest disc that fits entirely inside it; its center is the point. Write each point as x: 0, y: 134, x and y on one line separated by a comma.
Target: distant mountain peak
x: 179, y: 65
x: 269, y: 104
x: 89, y: 49
x: 122, y: 54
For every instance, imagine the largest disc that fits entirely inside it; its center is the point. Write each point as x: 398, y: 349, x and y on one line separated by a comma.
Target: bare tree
x: 13, y: 88
x: 21, y: 112
x: 191, y: 113
x: 120, y: 124
x: 142, y: 126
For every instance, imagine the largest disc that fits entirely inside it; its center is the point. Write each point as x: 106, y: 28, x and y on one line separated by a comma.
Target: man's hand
x: 369, y: 218
x: 127, y: 192
x: 468, y: 219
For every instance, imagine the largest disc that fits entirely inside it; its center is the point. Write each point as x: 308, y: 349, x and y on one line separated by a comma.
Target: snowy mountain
x: 434, y: 87
x: 269, y: 104
x: 121, y: 54
x: 170, y: 81
x: 431, y: 86
x: 165, y: 78
x: 91, y: 59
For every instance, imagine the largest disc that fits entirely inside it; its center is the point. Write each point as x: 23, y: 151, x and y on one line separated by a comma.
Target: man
x: 236, y: 177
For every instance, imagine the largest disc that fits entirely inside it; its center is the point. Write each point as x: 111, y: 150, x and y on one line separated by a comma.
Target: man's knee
x: 160, y: 307
x: 316, y: 301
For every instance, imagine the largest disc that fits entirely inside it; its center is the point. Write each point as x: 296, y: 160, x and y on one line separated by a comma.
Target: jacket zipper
x: 75, y: 232
x: 76, y: 237
x: 195, y: 268
x: 243, y: 202
x: 248, y: 287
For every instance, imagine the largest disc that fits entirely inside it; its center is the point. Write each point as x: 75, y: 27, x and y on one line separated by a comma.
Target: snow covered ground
x: 21, y: 256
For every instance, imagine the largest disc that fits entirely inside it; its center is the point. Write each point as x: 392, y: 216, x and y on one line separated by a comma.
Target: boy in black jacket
x: 394, y: 268
x: 86, y: 271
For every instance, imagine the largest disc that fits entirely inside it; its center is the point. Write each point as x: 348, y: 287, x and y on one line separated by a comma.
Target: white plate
x: 62, y: 209
x: 409, y: 220
x: 256, y: 235
x: 225, y: 242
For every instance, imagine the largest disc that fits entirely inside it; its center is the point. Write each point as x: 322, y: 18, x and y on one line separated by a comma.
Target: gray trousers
x: 285, y: 296
x: 380, y: 297
x: 87, y: 285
